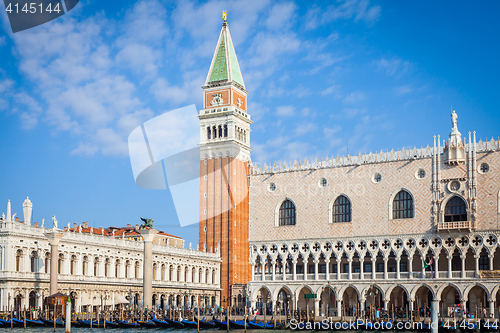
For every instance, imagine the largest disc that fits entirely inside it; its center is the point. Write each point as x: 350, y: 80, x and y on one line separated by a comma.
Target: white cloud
x: 354, y: 97
x: 329, y: 131
x: 332, y: 90
x: 404, y: 90
x: 358, y: 10
x: 29, y: 118
x: 305, y: 128
x: 286, y: 110
x: 164, y: 92
x: 5, y: 85
x: 394, y: 66
x: 281, y: 16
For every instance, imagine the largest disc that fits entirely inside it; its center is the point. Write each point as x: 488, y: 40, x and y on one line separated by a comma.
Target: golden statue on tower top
x: 224, y: 16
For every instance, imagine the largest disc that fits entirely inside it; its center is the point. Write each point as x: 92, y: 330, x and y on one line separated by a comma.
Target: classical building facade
x: 101, y: 267
x: 398, y: 228
x: 224, y: 157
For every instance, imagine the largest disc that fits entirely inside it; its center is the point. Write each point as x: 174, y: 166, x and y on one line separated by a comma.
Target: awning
x: 119, y: 299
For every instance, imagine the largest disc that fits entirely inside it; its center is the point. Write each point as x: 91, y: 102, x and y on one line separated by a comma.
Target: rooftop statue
x: 54, y: 222
x: 454, y: 120
x: 148, y: 223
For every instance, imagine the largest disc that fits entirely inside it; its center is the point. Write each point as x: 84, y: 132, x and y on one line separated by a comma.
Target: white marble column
x: 476, y: 257
x: 54, y: 237
x: 349, y: 272
x: 327, y: 262
x: 316, y: 276
x: 410, y: 266
x: 273, y: 267
x: 338, y: 268
x: 398, y: 261
x: 490, y: 257
x: 294, y: 262
x: 305, y: 269
x: 463, y: 266
x: 386, y: 276
x: 147, y: 280
x: 361, y: 268
x: 373, y: 268
x: 450, y: 274
x: 263, y: 271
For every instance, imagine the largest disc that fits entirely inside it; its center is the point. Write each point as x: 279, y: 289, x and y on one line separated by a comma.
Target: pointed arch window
x: 33, y: 258
x: 209, y: 133
x: 47, y: 262
x: 402, y: 206
x: 72, y: 265
x: 341, y: 210
x: 84, y: 265
x: 214, y: 132
x: 287, y: 214
x: 220, y: 131
x: 225, y: 131
x: 19, y: 254
x: 455, y: 210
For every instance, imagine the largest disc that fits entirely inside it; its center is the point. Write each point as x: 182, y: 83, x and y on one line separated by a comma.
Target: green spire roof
x: 225, y: 65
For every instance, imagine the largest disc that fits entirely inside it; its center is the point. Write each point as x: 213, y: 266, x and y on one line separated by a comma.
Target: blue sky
x: 323, y: 77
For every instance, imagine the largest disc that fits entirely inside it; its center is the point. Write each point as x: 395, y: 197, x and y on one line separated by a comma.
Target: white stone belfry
x: 454, y: 150
x: 27, y: 210
x: 9, y: 217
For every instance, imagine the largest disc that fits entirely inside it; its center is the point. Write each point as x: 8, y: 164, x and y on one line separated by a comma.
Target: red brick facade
x: 224, y: 217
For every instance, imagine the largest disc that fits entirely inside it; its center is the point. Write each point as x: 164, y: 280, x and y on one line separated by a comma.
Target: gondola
x: 174, y: 323
x: 466, y: 327
x: 423, y: 327
x: 75, y: 323
x: 147, y: 324
x: 237, y: 324
x: 189, y: 324
x: 50, y: 323
x: 206, y: 324
x: 161, y: 323
x: 486, y: 326
x: 128, y: 324
x: 7, y: 323
x: 112, y: 324
x: 445, y: 327
x: 222, y: 325
x: 35, y: 323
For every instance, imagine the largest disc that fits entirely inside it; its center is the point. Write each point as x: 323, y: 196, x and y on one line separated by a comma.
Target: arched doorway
x: 305, y: 303
x: 328, y: 301
x: 477, y: 299
x: 423, y: 299
x: 17, y: 304
x: 399, y: 302
x: 450, y: 299
x: 263, y: 300
x: 350, y: 301
x: 284, y: 302
x: 32, y: 300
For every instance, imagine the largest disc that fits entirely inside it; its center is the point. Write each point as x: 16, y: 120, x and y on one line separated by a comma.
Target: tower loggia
x: 224, y: 158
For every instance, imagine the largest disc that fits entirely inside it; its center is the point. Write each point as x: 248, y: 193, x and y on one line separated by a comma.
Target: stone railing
x: 366, y: 276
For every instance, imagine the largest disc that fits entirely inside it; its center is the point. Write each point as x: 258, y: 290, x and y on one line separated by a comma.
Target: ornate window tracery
x: 402, y: 206
x: 287, y: 214
x: 341, y: 210
x: 455, y: 210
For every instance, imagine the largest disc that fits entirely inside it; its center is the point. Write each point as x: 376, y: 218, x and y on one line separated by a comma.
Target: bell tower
x: 224, y: 157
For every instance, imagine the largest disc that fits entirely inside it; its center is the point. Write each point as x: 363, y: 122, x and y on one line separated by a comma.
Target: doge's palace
x: 380, y: 230
x: 101, y: 268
